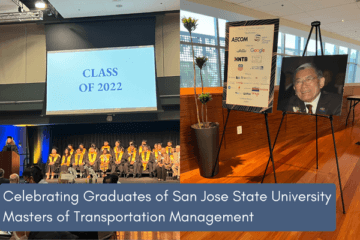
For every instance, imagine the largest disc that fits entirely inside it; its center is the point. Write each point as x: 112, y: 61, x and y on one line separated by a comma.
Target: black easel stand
x: 269, y: 140
x: 317, y: 26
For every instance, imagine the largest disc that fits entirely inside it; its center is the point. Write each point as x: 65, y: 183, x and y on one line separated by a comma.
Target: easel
x: 315, y: 24
x: 269, y: 140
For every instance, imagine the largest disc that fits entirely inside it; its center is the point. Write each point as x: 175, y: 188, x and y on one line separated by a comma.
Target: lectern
x: 10, y: 162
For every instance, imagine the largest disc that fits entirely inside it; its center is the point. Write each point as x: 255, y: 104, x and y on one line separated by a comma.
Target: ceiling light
x: 343, y: 20
x: 21, y: 16
x: 40, y: 4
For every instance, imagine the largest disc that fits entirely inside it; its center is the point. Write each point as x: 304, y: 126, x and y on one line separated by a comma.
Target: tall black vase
x: 207, y: 145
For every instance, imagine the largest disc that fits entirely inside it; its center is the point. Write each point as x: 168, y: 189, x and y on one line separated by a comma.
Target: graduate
x: 93, y: 145
x: 107, y: 147
x: 105, y: 162
x: 52, y: 163
x: 92, y: 161
x: 118, y: 165
x: 83, y: 149
x: 71, y: 149
x: 143, y: 143
x: 66, y: 160
x: 169, y: 148
x: 132, y: 160
x: 163, y: 165
x: 79, y: 162
x: 147, y: 160
x: 10, y: 145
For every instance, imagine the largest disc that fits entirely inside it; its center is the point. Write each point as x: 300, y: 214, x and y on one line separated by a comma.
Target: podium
x: 10, y: 162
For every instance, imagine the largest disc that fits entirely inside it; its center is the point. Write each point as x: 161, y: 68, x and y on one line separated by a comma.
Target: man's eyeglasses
x: 307, y: 80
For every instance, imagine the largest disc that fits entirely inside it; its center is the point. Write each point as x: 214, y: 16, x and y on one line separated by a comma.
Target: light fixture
x: 119, y: 5
x: 109, y: 118
x: 343, y: 20
x: 40, y: 4
x: 21, y: 16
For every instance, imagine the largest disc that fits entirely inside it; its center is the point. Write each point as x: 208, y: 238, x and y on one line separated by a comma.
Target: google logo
x: 257, y: 50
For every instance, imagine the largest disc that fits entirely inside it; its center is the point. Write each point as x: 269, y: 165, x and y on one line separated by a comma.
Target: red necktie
x: 309, y: 107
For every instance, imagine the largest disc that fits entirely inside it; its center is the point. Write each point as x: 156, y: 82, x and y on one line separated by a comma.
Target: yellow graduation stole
x: 104, y: 165
x: 133, y: 155
x: 156, y: 153
x: 83, y: 152
x: 172, y: 157
x: 141, y: 149
x: 93, y: 158
x: 53, y: 158
x: 145, y: 161
x: 168, y: 150
x: 118, y: 157
x: 66, y: 161
x: 77, y: 160
x: 105, y: 147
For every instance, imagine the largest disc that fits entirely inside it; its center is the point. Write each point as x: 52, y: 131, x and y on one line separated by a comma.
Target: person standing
x: 10, y: 145
x: 176, y: 163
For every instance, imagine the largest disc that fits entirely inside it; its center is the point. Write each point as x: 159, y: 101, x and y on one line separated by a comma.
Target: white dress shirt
x: 314, y: 104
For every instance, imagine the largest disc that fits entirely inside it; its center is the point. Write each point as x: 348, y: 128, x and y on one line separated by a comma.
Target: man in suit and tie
x: 2, y: 179
x: 309, y: 98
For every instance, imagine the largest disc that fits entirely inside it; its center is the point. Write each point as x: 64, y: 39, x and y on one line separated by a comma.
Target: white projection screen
x: 106, y: 80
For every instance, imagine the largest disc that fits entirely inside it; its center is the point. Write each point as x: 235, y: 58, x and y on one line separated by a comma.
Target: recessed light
x: 119, y: 5
x: 343, y: 20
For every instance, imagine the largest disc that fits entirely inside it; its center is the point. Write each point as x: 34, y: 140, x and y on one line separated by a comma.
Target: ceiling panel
x: 309, y: 5
x: 283, y: 8
x: 338, y: 16
x: 93, y: 8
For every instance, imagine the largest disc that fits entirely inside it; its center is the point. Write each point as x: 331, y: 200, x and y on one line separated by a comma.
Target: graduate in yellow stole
x: 52, y: 163
x: 105, y: 161
x: 169, y: 148
x: 83, y: 149
x: 66, y: 160
x: 132, y: 161
x: 147, y: 160
x: 107, y: 147
x: 79, y: 161
x: 141, y: 148
x: 92, y: 160
x: 119, y: 162
x: 70, y: 146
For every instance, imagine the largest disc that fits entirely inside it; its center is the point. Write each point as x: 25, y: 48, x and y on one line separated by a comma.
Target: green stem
x: 197, y: 108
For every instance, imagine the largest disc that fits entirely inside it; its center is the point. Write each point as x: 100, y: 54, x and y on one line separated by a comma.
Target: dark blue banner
x: 168, y: 207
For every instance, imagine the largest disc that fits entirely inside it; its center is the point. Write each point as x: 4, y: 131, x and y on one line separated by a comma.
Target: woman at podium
x: 10, y: 145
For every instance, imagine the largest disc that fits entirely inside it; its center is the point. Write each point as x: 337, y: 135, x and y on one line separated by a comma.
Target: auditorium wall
x: 23, y: 50
x: 253, y: 135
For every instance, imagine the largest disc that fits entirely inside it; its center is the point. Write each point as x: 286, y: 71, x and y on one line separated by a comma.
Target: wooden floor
x: 295, y: 162
x: 148, y: 235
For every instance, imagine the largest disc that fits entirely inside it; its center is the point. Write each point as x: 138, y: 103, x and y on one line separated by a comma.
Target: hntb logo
x: 240, y: 59
x: 239, y: 39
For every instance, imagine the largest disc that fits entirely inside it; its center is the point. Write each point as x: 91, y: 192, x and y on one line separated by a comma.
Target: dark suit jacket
x: 329, y: 104
x: 4, y: 180
x: 13, y: 148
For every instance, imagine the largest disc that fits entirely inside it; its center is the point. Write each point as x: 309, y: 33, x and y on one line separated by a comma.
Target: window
x: 209, y: 41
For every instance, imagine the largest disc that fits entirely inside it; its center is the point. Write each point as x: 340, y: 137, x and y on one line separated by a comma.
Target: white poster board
x: 250, y: 59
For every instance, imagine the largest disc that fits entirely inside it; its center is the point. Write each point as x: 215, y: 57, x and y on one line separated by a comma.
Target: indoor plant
x: 207, y: 134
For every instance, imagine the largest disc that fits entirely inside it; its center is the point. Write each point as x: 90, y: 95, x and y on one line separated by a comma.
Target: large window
x: 209, y: 41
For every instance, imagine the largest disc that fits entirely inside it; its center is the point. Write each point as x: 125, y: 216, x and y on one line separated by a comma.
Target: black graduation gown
x: 12, y: 148
x: 54, y: 167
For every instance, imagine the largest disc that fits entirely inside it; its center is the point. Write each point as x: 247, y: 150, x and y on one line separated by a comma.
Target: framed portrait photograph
x: 312, y: 85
